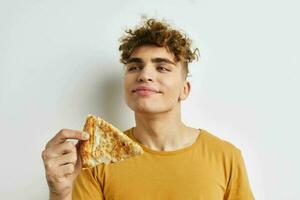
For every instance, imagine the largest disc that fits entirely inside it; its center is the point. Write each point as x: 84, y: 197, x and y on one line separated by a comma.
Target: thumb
x: 78, y: 165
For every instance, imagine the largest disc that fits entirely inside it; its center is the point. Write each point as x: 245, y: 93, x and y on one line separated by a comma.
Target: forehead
x: 148, y: 52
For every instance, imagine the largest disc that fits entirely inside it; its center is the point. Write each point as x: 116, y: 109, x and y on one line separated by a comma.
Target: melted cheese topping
x: 106, y: 144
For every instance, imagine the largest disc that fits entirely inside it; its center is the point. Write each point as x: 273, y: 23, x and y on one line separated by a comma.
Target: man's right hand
x: 62, y: 162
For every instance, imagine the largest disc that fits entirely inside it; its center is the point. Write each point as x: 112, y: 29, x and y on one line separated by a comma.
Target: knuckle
x: 48, y: 166
x: 44, y: 155
x: 63, y: 132
x: 50, y: 173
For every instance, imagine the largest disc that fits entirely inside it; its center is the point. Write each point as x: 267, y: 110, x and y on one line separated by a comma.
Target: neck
x: 163, y: 131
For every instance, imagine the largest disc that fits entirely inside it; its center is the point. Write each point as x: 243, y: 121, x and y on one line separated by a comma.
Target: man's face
x: 154, y: 68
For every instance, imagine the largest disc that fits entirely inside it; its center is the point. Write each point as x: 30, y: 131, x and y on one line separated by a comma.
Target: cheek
x: 172, y: 87
x: 127, y: 82
x: 125, y: 87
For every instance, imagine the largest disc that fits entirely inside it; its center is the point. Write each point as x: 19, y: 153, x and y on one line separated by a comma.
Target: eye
x: 134, y: 68
x: 162, y: 68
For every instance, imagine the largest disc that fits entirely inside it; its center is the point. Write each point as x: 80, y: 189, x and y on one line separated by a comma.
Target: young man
x: 179, y: 162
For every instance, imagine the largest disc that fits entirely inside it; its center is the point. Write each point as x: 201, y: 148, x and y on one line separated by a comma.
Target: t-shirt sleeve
x: 87, y: 186
x: 238, y: 187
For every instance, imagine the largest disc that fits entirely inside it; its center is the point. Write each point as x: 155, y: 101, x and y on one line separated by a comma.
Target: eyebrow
x: 154, y: 60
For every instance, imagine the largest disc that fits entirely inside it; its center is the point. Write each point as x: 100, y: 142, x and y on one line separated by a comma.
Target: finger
x: 79, y: 143
x: 78, y: 165
x: 67, y: 169
x: 53, y: 164
x: 65, y: 134
x: 58, y: 150
x: 61, y: 173
x: 69, y: 158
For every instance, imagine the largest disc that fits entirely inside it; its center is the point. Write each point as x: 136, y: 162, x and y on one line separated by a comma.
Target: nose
x: 145, y: 75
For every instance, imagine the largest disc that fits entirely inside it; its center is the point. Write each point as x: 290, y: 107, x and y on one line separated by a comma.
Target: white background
x: 59, y: 61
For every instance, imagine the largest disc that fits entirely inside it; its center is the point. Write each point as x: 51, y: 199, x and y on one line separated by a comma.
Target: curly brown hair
x: 161, y: 34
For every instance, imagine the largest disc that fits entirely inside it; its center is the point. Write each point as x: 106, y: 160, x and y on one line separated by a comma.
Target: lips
x: 145, y: 88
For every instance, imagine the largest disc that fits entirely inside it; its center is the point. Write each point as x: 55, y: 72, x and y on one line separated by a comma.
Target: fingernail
x: 85, y: 135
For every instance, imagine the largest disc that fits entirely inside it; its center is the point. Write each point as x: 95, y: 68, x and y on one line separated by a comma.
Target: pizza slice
x: 106, y: 144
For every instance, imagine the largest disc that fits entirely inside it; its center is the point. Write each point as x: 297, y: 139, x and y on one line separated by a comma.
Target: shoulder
x: 216, y: 144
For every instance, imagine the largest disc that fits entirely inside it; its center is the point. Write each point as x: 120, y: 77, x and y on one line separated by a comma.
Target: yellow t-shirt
x: 209, y: 169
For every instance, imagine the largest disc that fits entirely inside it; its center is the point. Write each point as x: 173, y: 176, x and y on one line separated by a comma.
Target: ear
x: 186, y: 88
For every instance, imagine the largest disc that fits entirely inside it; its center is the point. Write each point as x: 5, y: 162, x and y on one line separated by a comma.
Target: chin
x: 149, y: 107
x: 148, y: 110
x: 143, y: 110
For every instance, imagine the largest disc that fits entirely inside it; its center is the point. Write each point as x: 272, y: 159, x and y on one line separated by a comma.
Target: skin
x: 62, y: 163
x: 158, y: 116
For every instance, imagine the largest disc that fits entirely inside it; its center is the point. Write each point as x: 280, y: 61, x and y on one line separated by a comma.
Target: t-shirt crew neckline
x: 147, y: 149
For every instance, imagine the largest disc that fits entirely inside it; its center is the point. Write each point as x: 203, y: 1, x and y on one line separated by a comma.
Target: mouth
x: 145, y: 92
x: 144, y: 89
